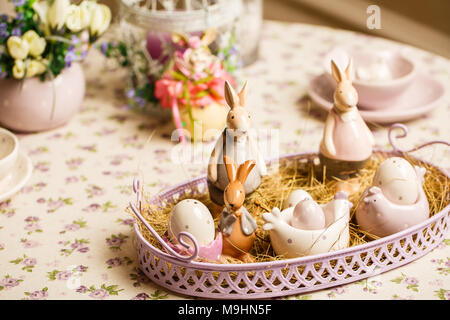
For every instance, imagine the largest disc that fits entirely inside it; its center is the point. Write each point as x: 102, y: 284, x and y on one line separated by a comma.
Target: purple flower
x: 92, y: 207
x: 38, y: 295
x: 99, y: 294
x: 411, y: 281
x: 70, y: 56
x: 84, y: 249
x: 115, y: 242
x: 9, y: 283
x: 75, y: 245
x: 4, y: 205
x: 81, y: 268
x: 131, y: 93
x: 29, y: 261
x: 4, y: 33
x: 3, y: 17
x: 18, y: 3
x: 447, y: 295
x: 114, y: 262
x: 71, y: 179
x: 140, y: 101
x: 104, y: 47
x: 31, y: 219
x: 16, y: 32
x: 19, y: 16
x: 74, y: 39
x: 63, y: 275
x: 128, y: 222
x: 82, y: 289
x: 72, y: 227
x: 141, y: 296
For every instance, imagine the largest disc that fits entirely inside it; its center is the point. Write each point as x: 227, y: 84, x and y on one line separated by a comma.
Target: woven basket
x: 181, y: 274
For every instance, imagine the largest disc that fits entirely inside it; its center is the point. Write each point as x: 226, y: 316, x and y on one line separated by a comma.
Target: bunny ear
x: 336, y: 72
x: 244, y: 170
x: 243, y: 94
x: 348, y: 70
x: 230, y: 167
x: 230, y: 95
x: 208, y: 37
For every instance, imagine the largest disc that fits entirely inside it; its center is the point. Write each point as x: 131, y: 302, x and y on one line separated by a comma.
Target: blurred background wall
x: 422, y: 23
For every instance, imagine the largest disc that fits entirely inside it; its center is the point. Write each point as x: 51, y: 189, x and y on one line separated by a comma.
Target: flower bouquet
x: 41, y: 81
x: 191, y: 83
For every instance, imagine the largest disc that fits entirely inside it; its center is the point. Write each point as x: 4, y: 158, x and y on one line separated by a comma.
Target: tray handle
x: 404, y: 133
x: 137, y: 211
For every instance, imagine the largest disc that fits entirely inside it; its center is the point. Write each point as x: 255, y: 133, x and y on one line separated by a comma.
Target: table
x: 66, y: 234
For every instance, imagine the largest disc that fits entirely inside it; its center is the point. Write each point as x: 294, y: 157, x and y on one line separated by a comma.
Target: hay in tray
x: 293, y: 174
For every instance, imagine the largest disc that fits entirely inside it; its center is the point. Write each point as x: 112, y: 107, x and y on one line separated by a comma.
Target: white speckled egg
x: 308, y: 215
x: 295, y: 197
x: 398, y: 181
x: 192, y: 216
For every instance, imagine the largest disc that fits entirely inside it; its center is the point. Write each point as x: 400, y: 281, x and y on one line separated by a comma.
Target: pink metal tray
x: 183, y: 275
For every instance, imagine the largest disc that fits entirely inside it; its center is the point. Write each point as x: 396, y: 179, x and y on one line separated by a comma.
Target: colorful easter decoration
x: 295, y: 197
x: 347, y: 141
x: 192, y: 216
x: 238, y: 143
x: 396, y: 201
x: 308, y: 228
x: 236, y: 223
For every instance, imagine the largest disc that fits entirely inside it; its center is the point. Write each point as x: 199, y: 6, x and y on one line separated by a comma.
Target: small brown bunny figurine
x: 236, y: 223
x: 347, y: 141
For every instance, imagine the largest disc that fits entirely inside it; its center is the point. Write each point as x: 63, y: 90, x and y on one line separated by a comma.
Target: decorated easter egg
x: 308, y: 215
x: 192, y: 216
x: 295, y: 197
x: 398, y: 181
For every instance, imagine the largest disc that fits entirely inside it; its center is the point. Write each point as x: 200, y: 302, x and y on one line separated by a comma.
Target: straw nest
x: 291, y: 175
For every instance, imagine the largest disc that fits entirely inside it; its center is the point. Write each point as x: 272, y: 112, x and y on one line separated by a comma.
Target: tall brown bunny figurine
x: 238, y: 143
x: 236, y: 223
x: 347, y: 141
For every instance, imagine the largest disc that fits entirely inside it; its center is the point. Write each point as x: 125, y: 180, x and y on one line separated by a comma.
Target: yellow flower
x: 100, y: 19
x: 56, y: 15
x: 73, y: 19
x: 36, y: 44
x: 35, y: 68
x: 86, y: 7
x: 18, y: 69
x: 41, y: 9
x: 17, y: 47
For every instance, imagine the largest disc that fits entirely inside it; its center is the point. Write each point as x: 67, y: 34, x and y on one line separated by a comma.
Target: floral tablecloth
x: 66, y: 234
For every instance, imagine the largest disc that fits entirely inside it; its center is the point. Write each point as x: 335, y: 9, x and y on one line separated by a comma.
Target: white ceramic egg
x: 308, y: 215
x: 398, y: 181
x: 192, y: 216
x: 295, y: 197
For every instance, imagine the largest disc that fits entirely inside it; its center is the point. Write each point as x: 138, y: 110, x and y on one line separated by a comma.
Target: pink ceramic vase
x: 27, y: 107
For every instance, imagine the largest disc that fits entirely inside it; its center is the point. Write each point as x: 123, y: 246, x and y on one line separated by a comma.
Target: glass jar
x: 147, y: 27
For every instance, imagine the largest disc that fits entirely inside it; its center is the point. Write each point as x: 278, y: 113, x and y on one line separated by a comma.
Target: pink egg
x: 308, y: 215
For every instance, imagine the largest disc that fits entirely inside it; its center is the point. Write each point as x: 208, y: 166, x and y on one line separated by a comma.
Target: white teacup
x: 9, y: 153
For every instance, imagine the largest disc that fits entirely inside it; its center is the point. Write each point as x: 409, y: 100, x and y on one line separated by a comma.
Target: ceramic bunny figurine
x: 236, y: 223
x: 347, y: 141
x: 237, y: 143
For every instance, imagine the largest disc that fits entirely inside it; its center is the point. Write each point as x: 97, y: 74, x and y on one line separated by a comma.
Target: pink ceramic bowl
x: 36, y: 106
x: 374, y: 94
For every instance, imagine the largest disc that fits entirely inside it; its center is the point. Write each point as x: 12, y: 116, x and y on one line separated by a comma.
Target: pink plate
x: 422, y: 96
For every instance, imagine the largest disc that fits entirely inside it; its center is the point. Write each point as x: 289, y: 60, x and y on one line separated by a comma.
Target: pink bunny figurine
x: 347, y: 141
x: 238, y: 143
